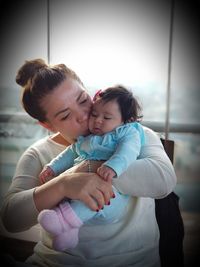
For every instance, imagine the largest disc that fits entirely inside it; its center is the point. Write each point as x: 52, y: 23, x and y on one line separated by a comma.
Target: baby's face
x: 104, y: 117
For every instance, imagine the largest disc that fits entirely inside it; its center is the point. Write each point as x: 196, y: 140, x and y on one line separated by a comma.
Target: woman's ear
x: 46, y: 125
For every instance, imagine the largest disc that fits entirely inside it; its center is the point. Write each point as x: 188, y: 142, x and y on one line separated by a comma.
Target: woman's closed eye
x: 84, y: 99
x: 65, y: 117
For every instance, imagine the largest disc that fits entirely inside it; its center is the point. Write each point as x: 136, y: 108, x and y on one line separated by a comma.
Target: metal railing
x: 22, y: 117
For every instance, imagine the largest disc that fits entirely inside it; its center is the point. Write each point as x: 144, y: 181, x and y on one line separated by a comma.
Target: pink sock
x: 66, y: 240
x: 63, y: 223
x: 69, y: 215
x: 52, y: 221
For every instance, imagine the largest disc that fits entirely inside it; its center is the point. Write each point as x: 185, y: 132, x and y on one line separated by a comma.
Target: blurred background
x: 150, y: 46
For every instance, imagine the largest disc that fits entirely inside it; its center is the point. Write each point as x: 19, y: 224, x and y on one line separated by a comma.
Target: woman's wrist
x: 49, y: 194
x: 89, y: 166
x: 85, y: 166
x: 93, y: 165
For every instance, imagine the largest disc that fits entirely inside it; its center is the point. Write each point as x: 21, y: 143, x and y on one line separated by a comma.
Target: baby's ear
x: 131, y: 120
x: 47, y: 126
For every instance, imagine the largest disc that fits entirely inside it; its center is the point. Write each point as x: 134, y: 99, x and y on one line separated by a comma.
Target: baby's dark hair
x: 128, y: 104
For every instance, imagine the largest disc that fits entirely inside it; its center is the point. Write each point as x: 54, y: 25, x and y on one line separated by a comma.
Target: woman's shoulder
x: 39, y: 144
x: 151, y: 136
x: 46, y: 141
x: 149, y: 131
x: 45, y: 145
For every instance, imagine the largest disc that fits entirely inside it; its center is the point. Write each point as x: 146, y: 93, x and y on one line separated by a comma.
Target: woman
x: 56, y: 97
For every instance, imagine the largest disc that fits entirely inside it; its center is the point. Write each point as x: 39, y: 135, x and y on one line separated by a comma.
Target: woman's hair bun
x: 28, y: 70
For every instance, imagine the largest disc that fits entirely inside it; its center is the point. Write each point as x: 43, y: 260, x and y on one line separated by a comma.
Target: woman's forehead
x: 70, y: 86
x: 69, y: 89
x: 63, y: 96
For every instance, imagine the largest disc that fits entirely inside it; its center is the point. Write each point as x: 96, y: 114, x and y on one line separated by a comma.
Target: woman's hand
x: 75, y: 183
x: 90, y: 189
x: 87, y: 187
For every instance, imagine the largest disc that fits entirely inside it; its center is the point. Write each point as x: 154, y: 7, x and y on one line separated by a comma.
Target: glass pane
x: 187, y: 167
x: 109, y: 42
x: 185, y: 96
x: 23, y: 34
x: 17, y: 133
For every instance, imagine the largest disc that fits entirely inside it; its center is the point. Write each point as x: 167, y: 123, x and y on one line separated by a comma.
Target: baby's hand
x: 46, y: 174
x: 106, y: 173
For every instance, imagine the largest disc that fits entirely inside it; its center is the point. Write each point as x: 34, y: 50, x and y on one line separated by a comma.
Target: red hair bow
x: 97, y: 94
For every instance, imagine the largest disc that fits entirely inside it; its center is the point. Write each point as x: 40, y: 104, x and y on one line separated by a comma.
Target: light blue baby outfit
x: 118, y: 149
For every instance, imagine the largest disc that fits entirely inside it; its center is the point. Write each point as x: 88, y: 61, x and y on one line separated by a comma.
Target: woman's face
x: 67, y: 110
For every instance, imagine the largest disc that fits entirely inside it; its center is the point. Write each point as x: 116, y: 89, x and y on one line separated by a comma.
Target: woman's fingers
x: 99, y: 190
x: 104, y: 193
x: 107, y: 196
x: 81, y: 167
x: 90, y: 202
x: 89, y: 188
x: 96, y: 200
x: 98, y: 196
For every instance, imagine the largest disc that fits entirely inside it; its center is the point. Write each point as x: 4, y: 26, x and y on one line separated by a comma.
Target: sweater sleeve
x: 19, y: 202
x: 152, y: 175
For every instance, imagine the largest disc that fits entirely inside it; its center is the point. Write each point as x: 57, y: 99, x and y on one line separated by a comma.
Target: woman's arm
x: 26, y: 197
x: 152, y: 175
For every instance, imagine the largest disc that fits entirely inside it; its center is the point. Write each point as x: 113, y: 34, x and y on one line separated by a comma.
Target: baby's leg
x: 63, y: 223
x: 117, y: 207
x: 109, y: 213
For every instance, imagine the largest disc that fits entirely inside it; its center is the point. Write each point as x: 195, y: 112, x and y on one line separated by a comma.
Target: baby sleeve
x: 128, y: 148
x: 63, y: 161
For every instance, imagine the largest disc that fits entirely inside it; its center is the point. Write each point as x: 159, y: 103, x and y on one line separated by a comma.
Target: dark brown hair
x: 39, y: 79
x: 128, y: 104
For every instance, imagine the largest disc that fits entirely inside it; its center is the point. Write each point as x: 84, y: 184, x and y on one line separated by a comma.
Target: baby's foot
x: 52, y: 221
x: 66, y: 240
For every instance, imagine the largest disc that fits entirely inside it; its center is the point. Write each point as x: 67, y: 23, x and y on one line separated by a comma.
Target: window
x: 107, y: 42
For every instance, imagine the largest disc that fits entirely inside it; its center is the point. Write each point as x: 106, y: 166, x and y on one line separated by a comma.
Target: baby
x: 116, y: 138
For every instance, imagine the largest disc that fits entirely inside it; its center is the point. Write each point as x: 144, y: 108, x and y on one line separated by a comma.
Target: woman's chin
x: 87, y: 132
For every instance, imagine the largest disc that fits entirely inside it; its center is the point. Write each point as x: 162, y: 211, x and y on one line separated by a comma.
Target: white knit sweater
x: 132, y: 241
